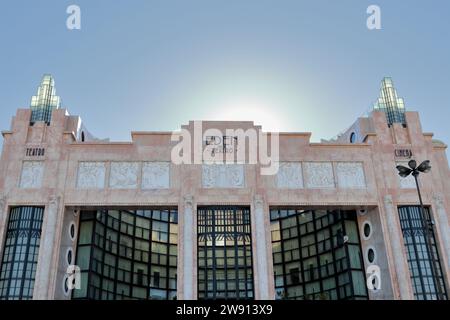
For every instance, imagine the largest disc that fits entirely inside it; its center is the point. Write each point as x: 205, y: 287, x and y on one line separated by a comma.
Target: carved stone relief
x: 156, y: 175
x: 32, y: 174
x: 91, y: 175
x: 350, y: 175
x: 124, y: 175
x: 319, y: 175
x: 290, y: 175
x: 223, y: 176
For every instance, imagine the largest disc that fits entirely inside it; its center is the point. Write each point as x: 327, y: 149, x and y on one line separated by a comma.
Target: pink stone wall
x: 380, y: 195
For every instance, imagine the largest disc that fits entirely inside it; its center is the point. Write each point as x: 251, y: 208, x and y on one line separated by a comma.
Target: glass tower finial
x: 390, y: 103
x: 45, y: 101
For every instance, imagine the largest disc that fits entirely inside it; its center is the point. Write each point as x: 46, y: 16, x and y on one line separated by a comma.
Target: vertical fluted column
x: 397, y: 249
x: 189, y: 233
x: 261, y: 244
x: 444, y: 231
x: 46, y: 248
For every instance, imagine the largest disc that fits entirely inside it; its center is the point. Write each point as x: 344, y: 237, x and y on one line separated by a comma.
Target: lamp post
x: 415, y: 170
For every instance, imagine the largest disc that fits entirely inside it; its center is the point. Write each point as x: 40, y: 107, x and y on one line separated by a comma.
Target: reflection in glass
x: 126, y: 254
x: 224, y: 253
x: 317, y: 255
x: 20, y: 255
x: 418, y: 255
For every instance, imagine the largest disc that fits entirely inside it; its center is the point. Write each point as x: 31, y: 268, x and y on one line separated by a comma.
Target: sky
x: 307, y: 66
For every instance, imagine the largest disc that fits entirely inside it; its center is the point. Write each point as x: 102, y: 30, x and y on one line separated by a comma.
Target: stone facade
x: 74, y: 174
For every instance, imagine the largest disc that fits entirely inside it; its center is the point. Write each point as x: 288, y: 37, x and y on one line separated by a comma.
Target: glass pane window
x: 314, y: 262
x: 224, y: 253
x: 126, y: 254
x: 423, y: 264
x: 20, y: 254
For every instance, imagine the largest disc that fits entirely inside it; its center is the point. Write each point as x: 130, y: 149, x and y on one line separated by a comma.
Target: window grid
x: 312, y: 261
x: 128, y: 254
x: 20, y: 255
x: 224, y: 253
x: 418, y: 255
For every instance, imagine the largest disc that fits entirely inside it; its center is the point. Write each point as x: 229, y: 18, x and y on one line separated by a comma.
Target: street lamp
x: 415, y: 170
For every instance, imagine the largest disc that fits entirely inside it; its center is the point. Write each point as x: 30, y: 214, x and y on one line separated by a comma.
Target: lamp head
x: 412, y: 164
x: 424, y: 166
x: 403, y: 171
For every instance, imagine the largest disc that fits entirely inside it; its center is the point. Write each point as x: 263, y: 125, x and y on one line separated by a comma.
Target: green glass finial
x: 390, y: 103
x: 45, y: 101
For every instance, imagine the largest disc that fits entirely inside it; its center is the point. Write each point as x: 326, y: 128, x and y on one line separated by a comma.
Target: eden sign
x: 403, y: 153
x: 221, y: 144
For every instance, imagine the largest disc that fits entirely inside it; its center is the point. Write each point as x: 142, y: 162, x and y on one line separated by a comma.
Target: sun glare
x: 260, y: 113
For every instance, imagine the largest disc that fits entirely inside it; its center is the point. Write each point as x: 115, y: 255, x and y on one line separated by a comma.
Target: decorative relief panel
x: 223, y: 176
x: 350, y: 175
x: 124, y: 175
x: 290, y: 175
x: 32, y: 174
x: 156, y: 175
x: 406, y: 183
x: 319, y: 175
x: 91, y: 175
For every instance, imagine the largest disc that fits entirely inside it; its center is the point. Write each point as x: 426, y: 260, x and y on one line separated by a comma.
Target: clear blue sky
x: 289, y: 65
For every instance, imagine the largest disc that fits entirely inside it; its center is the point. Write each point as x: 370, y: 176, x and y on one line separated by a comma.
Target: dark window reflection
x: 125, y: 254
x: 317, y: 255
x: 20, y: 253
x: 224, y: 253
x: 418, y: 255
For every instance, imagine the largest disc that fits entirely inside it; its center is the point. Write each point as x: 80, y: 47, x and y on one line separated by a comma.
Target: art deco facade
x: 139, y: 226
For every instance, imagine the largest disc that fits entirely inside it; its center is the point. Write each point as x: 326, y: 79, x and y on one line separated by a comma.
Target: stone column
x: 189, y: 245
x: 397, y: 248
x: 441, y: 217
x: 261, y: 244
x: 46, y: 248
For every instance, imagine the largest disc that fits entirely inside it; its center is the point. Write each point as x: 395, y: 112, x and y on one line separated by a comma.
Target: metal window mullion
x: 116, y: 266
x: 150, y: 256
x: 236, y: 256
x: 225, y: 253
x: 244, y: 211
x: 299, y: 241
x: 283, y: 262
x: 317, y: 250
x: 333, y: 254
x: 9, y: 278
x: 413, y: 237
x: 27, y: 250
x: 102, y: 262
x: 347, y: 255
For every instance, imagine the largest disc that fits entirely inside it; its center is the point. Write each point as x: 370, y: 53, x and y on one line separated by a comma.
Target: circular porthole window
x: 367, y: 230
x: 72, y: 231
x: 352, y: 137
x: 371, y: 256
x: 66, y: 285
x: 69, y: 256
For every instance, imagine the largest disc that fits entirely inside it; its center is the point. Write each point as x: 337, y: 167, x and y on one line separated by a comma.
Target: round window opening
x: 367, y: 230
x: 352, y: 137
x: 66, y: 285
x: 371, y: 255
x: 69, y: 256
x: 72, y: 231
